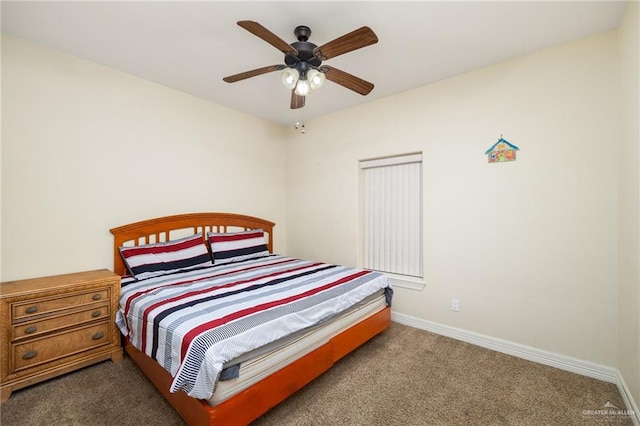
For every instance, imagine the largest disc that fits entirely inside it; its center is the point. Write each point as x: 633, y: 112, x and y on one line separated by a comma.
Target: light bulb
x: 302, y: 88
x: 316, y: 78
x: 290, y: 77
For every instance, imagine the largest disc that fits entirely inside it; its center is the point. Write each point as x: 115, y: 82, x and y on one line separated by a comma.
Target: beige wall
x: 629, y: 203
x: 529, y: 248
x: 86, y: 148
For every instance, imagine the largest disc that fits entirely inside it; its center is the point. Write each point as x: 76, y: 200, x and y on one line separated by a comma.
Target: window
x: 391, y: 206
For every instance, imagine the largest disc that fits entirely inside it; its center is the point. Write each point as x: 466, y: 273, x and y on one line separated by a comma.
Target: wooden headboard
x: 161, y: 229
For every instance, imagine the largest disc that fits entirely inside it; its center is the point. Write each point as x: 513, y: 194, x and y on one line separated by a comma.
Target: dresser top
x: 9, y: 288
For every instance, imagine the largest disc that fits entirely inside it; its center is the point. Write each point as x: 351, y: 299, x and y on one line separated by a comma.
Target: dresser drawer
x: 59, y: 345
x: 35, y: 328
x: 22, y: 311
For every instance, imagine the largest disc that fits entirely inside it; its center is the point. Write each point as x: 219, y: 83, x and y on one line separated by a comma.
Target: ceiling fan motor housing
x: 305, y: 58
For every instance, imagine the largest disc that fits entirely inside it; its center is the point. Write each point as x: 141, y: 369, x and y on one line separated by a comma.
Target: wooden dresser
x: 54, y: 325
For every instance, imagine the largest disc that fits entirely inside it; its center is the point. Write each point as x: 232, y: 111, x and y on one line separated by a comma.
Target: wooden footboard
x: 256, y: 400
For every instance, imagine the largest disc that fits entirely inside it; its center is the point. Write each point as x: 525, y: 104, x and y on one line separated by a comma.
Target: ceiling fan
x: 303, y: 70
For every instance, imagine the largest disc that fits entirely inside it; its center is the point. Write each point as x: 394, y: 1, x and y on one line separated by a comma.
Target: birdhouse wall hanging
x: 502, y: 151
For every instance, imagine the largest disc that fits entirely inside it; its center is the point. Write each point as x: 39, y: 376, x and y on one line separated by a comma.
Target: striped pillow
x: 237, y: 246
x: 156, y: 259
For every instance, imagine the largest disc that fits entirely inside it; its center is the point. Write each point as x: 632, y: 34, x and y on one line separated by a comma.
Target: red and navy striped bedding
x: 193, y: 322
x: 234, y: 247
x: 152, y: 260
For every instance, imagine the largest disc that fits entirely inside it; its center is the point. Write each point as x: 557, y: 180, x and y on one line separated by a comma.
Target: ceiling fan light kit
x: 290, y: 77
x: 302, y: 70
x: 316, y: 79
x: 302, y: 88
x: 303, y: 84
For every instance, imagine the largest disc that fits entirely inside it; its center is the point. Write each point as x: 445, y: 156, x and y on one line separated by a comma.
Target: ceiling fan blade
x: 356, y: 39
x: 347, y: 80
x: 297, y: 101
x: 259, y: 31
x: 253, y: 73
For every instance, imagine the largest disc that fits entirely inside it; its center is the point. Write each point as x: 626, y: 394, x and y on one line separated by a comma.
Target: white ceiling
x: 190, y: 46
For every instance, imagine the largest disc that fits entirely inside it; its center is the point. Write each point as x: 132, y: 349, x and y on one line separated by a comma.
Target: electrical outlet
x: 455, y: 305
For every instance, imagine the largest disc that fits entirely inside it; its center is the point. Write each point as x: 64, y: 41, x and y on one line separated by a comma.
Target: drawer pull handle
x: 96, y: 314
x: 31, y: 329
x: 97, y: 296
x: 99, y: 335
x: 29, y: 354
x: 32, y: 309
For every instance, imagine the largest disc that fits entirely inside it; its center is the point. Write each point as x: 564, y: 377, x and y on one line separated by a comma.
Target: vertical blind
x: 392, y: 214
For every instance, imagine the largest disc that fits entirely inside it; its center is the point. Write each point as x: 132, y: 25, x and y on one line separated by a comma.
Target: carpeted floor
x: 404, y: 376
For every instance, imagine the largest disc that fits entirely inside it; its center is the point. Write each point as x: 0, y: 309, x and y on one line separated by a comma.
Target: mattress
x: 195, y: 322
x: 262, y: 362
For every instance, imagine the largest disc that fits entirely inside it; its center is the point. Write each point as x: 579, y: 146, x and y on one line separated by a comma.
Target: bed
x: 265, y: 356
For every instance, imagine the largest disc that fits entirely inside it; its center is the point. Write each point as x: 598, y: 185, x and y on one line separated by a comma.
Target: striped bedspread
x: 193, y: 322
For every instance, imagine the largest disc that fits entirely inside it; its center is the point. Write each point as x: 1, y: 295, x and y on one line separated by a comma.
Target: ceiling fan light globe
x: 316, y: 79
x: 303, y: 88
x: 290, y: 77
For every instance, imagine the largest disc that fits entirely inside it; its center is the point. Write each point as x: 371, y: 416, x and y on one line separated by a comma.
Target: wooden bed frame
x: 256, y: 400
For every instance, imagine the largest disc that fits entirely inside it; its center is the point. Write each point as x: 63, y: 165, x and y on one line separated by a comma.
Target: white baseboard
x: 628, y: 399
x: 563, y: 362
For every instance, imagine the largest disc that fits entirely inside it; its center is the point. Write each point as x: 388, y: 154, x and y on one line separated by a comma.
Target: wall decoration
x: 502, y: 151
